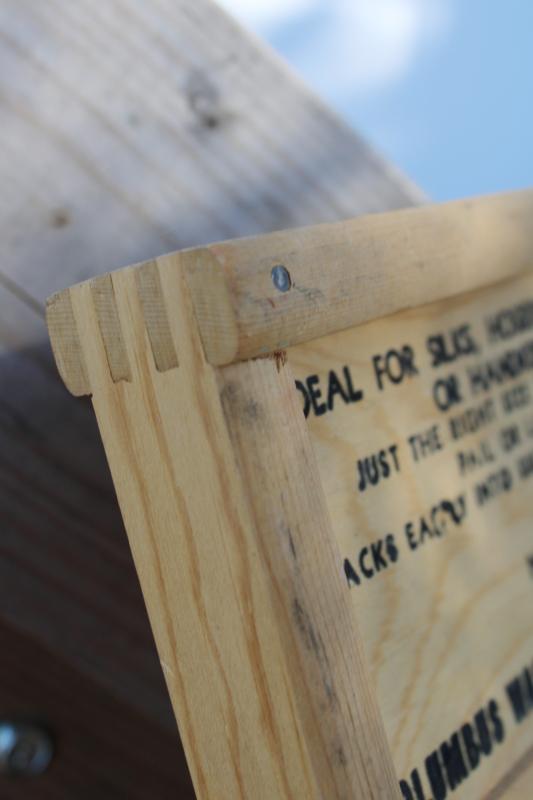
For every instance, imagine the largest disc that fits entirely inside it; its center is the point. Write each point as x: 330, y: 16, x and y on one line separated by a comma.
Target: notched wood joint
x: 209, y: 285
x: 66, y: 343
x: 155, y: 316
x: 103, y: 295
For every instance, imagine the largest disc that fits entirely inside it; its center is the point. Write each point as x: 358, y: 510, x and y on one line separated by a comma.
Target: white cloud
x: 348, y: 45
x: 263, y: 15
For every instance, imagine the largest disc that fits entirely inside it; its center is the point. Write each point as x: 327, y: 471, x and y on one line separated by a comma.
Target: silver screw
x: 281, y: 278
x: 25, y: 748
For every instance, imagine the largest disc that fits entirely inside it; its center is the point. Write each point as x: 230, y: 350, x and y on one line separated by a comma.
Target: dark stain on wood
x: 60, y: 218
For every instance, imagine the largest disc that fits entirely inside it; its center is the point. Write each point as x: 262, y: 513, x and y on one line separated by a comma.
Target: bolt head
x: 281, y: 278
x: 25, y: 748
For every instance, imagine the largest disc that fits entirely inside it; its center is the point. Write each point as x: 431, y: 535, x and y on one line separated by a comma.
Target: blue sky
x: 443, y: 88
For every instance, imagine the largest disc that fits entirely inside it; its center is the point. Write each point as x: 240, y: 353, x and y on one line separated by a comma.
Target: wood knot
x: 204, y: 100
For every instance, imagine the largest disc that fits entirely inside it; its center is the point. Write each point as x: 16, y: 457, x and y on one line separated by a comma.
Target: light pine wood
x: 346, y: 273
x: 197, y: 447
x: 256, y: 636
x: 448, y: 625
x: 332, y: 689
x: 340, y: 275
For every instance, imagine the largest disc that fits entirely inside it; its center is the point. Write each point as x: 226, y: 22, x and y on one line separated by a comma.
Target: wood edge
x: 516, y: 771
x: 105, y: 304
x: 148, y: 283
x: 405, y: 185
x: 216, y: 279
x: 66, y: 343
x: 492, y: 242
x: 337, y: 703
x: 209, y: 282
x: 170, y: 506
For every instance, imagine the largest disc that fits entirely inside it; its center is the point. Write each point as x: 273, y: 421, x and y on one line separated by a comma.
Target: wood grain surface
x: 330, y: 684
x: 127, y: 130
x: 421, y: 423
x: 445, y: 716
x: 422, y: 427
x: 221, y: 500
x: 346, y: 273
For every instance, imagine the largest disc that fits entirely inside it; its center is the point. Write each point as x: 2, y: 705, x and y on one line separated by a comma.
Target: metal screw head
x: 281, y: 278
x: 25, y: 748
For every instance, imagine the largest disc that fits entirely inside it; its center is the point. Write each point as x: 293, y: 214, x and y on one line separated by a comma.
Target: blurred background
x: 443, y: 88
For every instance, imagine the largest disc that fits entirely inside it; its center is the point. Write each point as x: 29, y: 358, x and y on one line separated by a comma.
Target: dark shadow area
x: 78, y: 648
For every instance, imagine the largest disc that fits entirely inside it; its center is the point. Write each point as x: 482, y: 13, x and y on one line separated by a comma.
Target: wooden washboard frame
x: 257, y: 615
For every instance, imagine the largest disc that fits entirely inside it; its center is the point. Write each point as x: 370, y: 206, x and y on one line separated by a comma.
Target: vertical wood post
x: 226, y: 519
x: 329, y: 679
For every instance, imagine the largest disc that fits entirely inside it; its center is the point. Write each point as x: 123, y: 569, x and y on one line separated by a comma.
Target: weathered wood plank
x: 157, y: 126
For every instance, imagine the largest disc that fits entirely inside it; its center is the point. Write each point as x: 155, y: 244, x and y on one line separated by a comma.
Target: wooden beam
x: 336, y: 276
x: 346, y: 273
x: 330, y: 683
x: 164, y: 126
